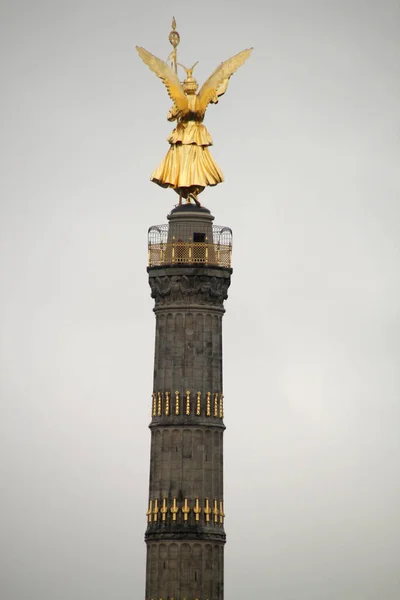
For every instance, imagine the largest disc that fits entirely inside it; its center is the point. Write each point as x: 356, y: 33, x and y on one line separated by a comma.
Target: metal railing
x: 190, y: 253
x: 165, y: 249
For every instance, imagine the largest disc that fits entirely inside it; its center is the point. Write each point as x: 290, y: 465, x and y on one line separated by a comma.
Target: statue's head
x: 190, y: 85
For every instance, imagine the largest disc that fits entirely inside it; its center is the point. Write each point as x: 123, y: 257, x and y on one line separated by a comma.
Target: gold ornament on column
x: 208, y: 404
x: 197, y: 509
x: 215, y: 405
x: 221, y: 406
x: 207, y: 510
x: 174, y: 509
x: 198, y: 404
x: 155, y: 511
x: 150, y: 511
x: 159, y: 404
x: 177, y: 403
x: 221, y: 512
x: 167, y: 397
x: 164, y: 510
x: 154, y: 408
x: 187, y: 402
x: 215, y: 511
x: 185, y: 510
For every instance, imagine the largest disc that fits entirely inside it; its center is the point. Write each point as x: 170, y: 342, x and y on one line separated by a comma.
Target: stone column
x: 185, y: 534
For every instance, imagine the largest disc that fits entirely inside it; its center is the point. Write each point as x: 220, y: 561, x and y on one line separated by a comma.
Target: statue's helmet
x: 190, y: 85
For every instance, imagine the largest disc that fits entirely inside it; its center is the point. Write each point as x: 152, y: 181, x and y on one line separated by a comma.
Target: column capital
x: 183, y: 286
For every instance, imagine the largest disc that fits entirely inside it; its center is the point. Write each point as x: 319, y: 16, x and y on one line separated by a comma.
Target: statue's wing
x: 220, y: 91
x: 168, y: 77
x: 218, y: 81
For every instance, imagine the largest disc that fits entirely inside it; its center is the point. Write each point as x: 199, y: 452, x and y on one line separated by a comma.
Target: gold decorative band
x: 189, y: 403
x: 208, y: 512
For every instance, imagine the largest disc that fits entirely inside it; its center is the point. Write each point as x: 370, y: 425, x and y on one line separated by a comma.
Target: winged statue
x: 188, y: 166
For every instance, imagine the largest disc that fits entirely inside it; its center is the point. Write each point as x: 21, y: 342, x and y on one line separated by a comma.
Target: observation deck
x: 191, y: 239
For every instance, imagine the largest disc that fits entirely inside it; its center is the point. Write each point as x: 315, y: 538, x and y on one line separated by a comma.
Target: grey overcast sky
x: 308, y: 138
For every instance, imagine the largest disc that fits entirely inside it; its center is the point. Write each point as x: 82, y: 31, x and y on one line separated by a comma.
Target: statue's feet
x: 194, y: 196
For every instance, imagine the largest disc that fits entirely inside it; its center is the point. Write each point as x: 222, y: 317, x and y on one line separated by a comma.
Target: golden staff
x: 174, y: 39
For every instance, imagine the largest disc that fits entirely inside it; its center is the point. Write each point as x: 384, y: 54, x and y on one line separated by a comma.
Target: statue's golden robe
x: 188, y: 166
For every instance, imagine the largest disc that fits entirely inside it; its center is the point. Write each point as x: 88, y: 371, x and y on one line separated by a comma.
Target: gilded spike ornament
x: 188, y: 166
x: 215, y: 511
x: 221, y: 512
x: 197, y: 510
x: 186, y: 510
x: 155, y: 511
x: 207, y: 510
x: 174, y: 509
x: 149, y: 513
x: 164, y: 510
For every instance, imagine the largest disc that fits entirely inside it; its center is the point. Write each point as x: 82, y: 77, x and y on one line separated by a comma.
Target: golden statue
x: 188, y: 166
